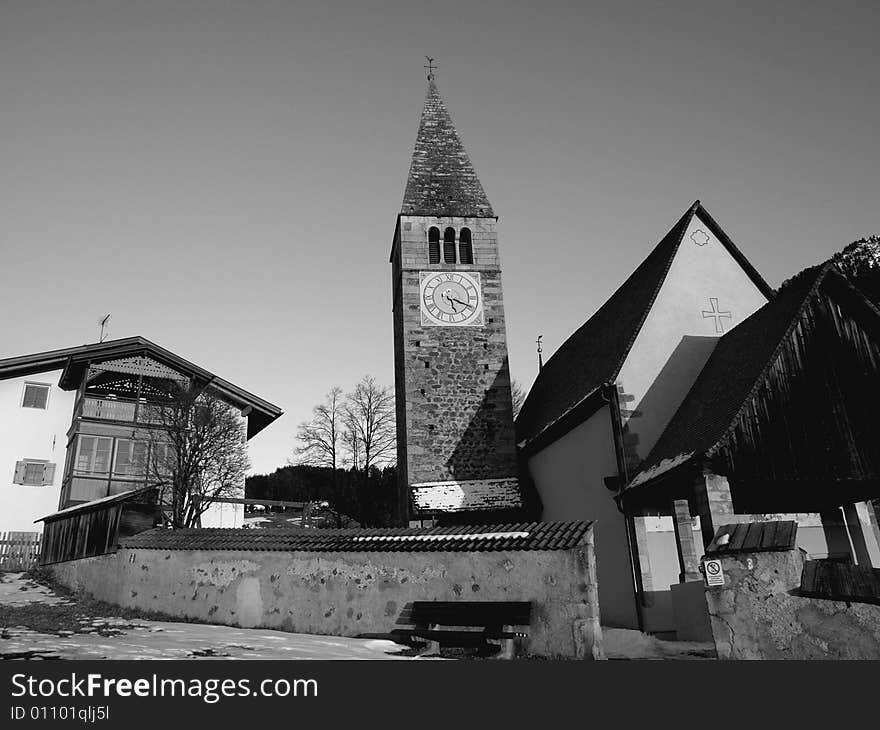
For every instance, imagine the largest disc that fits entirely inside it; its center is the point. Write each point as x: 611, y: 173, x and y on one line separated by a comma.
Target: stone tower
x: 455, y: 437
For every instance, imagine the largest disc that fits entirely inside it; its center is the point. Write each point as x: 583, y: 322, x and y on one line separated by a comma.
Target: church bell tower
x: 456, y: 450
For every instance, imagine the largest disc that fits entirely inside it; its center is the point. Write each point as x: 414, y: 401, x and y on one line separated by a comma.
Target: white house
x: 72, y: 425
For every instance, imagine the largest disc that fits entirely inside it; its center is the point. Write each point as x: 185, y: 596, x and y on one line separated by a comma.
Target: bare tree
x: 518, y: 396
x: 369, y: 421
x: 320, y: 438
x: 350, y: 441
x: 198, y: 452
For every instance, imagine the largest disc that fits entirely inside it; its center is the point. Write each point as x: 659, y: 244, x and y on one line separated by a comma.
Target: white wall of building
x: 31, y: 433
x: 568, y: 475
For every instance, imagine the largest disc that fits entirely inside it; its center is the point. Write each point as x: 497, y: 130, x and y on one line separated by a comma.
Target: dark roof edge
x: 95, y: 504
x: 63, y: 360
x: 588, y: 406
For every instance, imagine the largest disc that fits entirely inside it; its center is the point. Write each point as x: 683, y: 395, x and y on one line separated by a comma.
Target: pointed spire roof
x: 442, y: 180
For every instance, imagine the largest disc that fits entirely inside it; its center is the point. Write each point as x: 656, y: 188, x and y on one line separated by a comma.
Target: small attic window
x: 36, y: 395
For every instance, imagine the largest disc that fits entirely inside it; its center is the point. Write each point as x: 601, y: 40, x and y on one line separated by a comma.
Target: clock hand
x: 463, y: 304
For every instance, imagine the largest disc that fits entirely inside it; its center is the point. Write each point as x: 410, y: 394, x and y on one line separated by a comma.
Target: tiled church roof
x: 442, y: 181
x: 594, y: 354
x: 469, y: 538
x: 735, y: 370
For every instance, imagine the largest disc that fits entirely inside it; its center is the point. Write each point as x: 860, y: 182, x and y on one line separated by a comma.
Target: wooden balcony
x: 115, y: 409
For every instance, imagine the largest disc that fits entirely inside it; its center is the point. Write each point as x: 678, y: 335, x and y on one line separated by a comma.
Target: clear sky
x: 223, y: 177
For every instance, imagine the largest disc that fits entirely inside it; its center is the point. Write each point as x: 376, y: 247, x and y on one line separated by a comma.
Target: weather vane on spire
x: 431, y: 68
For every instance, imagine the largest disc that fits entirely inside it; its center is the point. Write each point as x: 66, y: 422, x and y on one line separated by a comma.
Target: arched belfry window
x: 434, y: 245
x: 465, y: 248
x: 449, y: 246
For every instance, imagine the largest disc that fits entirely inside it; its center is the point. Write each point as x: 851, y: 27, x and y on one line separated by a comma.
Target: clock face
x: 451, y: 299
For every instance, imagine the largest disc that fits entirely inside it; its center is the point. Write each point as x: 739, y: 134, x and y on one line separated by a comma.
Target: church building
x: 695, y: 397
x: 456, y: 449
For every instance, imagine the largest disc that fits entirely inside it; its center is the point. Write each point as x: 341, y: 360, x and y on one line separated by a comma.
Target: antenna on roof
x: 104, y: 322
x: 540, y: 359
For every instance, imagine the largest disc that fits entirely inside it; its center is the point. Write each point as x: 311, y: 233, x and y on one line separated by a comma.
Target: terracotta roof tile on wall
x: 442, y: 181
x: 469, y: 538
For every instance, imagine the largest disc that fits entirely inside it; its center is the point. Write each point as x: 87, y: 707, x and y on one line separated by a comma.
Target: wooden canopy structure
x: 785, y: 407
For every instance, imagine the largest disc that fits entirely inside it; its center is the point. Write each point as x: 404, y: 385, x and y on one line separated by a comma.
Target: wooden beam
x: 270, y: 502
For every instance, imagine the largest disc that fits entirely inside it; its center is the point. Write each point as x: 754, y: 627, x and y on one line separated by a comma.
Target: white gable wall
x: 31, y: 433
x: 662, y: 365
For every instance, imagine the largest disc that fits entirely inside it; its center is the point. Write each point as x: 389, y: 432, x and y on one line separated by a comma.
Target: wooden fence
x: 19, y: 551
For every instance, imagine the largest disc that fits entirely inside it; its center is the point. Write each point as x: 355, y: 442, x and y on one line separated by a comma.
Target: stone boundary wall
x: 351, y: 593
x: 757, y: 614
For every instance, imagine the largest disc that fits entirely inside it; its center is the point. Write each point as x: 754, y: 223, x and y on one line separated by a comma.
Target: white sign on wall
x: 714, y: 573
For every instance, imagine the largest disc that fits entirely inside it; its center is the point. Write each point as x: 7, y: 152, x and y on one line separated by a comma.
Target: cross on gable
x: 717, y: 314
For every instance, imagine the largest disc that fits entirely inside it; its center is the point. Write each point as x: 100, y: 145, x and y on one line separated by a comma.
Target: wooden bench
x: 492, y: 620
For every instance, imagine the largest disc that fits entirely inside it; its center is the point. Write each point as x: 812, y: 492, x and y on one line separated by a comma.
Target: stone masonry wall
x: 756, y: 614
x: 347, y: 594
x: 452, y: 383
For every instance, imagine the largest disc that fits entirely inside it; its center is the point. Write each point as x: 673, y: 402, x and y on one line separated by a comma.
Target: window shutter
x: 19, y: 472
x: 49, y: 474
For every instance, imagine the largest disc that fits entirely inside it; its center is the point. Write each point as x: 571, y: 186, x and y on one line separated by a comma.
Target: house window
x: 433, y: 245
x: 93, y: 454
x: 36, y: 395
x: 449, y: 246
x: 131, y: 458
x: 465, y: 247
x: 34, y: 472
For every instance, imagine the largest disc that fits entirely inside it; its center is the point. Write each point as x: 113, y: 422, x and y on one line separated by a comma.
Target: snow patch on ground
x: 630, y: 644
